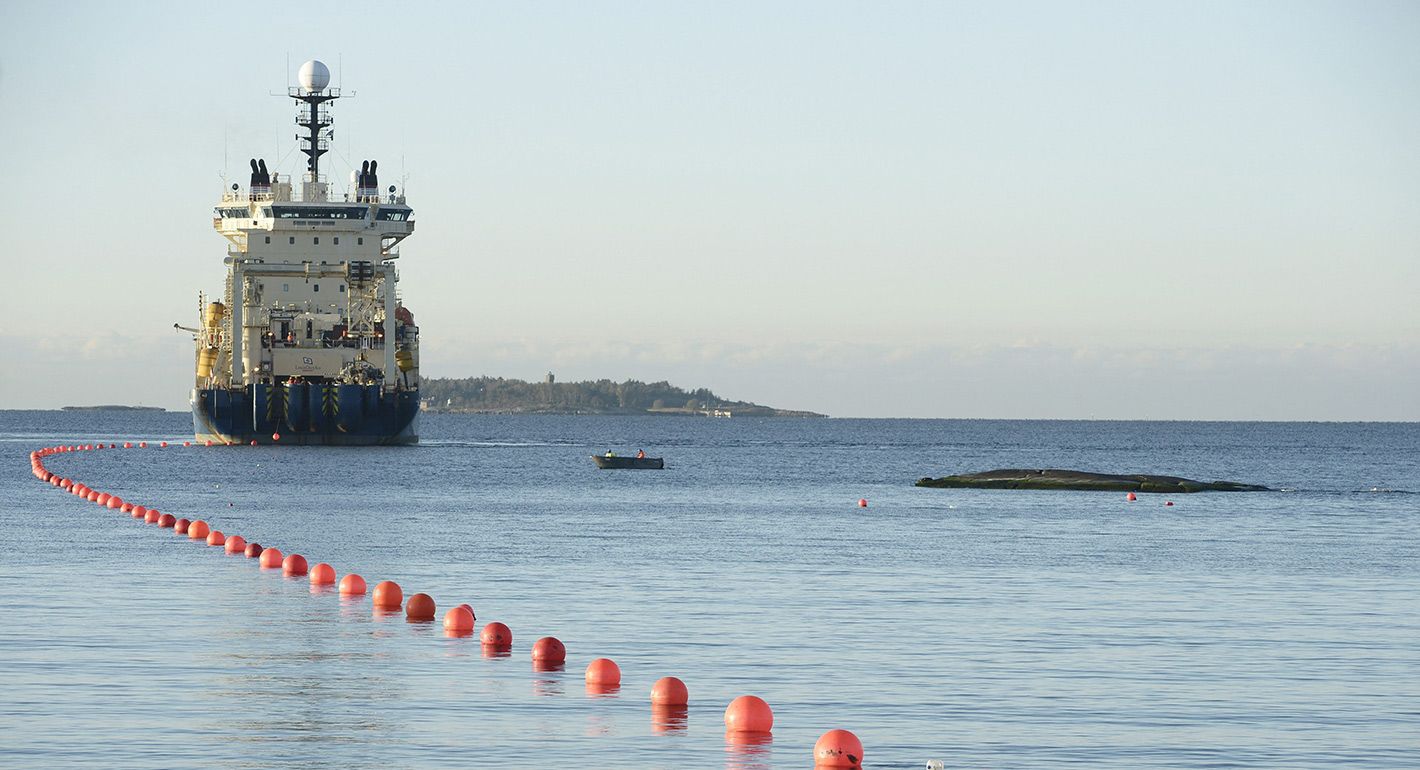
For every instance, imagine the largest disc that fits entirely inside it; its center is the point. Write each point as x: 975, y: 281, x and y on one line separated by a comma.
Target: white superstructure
x: 310, y: 292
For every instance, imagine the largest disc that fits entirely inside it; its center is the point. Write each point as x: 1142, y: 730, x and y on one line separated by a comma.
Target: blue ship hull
x: 302, y: 413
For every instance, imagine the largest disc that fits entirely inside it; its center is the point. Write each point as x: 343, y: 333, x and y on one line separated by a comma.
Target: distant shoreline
x: 113, y: 408
x: 501, y: 395
x: 723, y: 412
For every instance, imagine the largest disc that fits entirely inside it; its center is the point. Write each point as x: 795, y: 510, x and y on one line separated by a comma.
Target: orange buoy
x: 142, y: 445
x: 253, y: 550
x: 471, y: 613
x: 862, y: 502
x: 838, y: 748
x: 294, y: 565
x: 92, y: 496
x: 138, y: 512
x: 126, y: 508
x: 603, y: 671
x: 166, y: 520
x: 1131, y: 497
x: 749, y: 714
x: 1168, y: 504
x: 236, y: 544
x: 115, y: 502
x: 209, y: 442
x: 180, y: 526
x: 549, y: 649
x: 420, y: 607
x: 496, y: 635
x: 253, y: 442
x: 669, y: 691
x: 163, y: 444
x: 187, y: 443
x: 276, y: 437
x: 198, y: 530
x: 388, y: 595
x: 322, y: 575
x: 457, y: 621
x: 215, y: 537
x: 152, y: 516
x: 352, y: 585
x: 128, y: 445
x: 271, y: 558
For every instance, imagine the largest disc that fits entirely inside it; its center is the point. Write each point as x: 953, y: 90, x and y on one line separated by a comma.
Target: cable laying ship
x: 310, y: 343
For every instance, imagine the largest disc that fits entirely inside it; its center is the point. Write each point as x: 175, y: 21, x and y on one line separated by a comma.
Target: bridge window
x: 316, y: 240
x: 293, y: 240
x: 268, y: 239
x: 315, y: 287
x: 320, y: 212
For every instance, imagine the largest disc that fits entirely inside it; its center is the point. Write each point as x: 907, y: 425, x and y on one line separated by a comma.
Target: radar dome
x: 315, y: 76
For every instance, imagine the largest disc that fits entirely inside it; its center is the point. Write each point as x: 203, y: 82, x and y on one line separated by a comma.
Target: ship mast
x: 314, y: 116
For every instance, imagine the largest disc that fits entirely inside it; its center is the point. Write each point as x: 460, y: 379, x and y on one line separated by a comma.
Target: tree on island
x: 498, y: 394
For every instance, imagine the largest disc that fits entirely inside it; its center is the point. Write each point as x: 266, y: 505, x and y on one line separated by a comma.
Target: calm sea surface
x: 987, y: 629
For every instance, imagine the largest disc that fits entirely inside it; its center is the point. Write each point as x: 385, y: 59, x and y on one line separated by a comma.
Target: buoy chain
x: 746, y: 715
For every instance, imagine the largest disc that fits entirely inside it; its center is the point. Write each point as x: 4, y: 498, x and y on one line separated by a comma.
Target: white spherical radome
x: 314, y: 76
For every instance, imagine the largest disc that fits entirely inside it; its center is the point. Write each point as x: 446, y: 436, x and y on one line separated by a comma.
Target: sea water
x: 986, y: 629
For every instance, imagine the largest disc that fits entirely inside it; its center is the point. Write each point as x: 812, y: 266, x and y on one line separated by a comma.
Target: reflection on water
x: 669, y: 719
x: 748, y: 751
x: 545, y: 681
x: 493, y: 651
x: 596, y: 690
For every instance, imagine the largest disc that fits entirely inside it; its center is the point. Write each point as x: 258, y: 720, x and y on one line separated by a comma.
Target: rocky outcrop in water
x: 1053, y: 478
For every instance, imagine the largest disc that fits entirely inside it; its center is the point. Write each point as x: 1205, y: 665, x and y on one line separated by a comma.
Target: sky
x: 1107, y: 210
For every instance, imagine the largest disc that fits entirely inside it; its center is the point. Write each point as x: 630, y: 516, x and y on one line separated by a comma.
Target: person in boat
x: 640, y: 454
x: 610, y: 453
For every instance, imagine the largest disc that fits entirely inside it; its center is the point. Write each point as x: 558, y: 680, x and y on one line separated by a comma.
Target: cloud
x: 1025, y: 378
x: 53, y: 371
x: 1021, y: 379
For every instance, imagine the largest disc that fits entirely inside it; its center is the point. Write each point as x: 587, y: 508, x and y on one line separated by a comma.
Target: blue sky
x: 1114, y: 210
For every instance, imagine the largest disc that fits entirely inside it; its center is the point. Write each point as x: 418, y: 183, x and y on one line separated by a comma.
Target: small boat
x: 635, y: 463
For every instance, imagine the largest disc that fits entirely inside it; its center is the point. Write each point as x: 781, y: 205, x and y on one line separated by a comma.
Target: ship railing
x: 247, y: 196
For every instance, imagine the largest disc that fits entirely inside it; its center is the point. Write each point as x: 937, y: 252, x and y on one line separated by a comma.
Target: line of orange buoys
x: 748, y: 718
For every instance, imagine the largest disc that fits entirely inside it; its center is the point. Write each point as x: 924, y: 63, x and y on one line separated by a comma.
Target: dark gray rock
x: 1054, y: 478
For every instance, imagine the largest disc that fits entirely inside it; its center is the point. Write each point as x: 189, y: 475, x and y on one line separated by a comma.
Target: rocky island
x: 1053, y: 478
x: 497, y: 395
